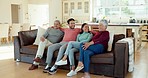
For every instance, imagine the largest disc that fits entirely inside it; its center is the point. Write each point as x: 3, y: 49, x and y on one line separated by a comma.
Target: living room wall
x: 55, y: 8
x: 5, y: 8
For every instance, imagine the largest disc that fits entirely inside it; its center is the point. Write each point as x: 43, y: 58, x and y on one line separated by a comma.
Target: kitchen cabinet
x: 145, y: 33
x: 77, y: 9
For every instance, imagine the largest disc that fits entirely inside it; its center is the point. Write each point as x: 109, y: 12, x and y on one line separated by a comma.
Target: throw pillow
x: 40, y: 33
x: 27, y: 37
x: 111, y: 36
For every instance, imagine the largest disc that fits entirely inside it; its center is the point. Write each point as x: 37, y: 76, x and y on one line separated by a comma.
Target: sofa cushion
x: 27, y: 37
x: 111, y: 37
x: 116, y: 38
x: 30, y: 49
x: 105, y: 58
x: 40, y: 32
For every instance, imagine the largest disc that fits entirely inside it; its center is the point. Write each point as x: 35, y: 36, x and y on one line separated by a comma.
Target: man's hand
x: 42, y: 39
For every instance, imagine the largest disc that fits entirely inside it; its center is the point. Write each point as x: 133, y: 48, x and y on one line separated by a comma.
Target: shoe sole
x: 51, y: 73
x: 71, y: 75
x: 60, y: 64
x: 45, y: 71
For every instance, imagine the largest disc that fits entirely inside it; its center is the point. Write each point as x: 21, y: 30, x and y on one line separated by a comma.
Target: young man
x: 70, y: 34
x: 44, y: 40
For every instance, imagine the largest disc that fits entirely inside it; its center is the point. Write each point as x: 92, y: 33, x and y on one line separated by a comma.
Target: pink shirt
x: 70, y: 34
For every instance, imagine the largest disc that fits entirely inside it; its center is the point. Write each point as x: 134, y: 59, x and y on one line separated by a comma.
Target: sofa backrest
x: 27, y: 37
x: 116, y: 38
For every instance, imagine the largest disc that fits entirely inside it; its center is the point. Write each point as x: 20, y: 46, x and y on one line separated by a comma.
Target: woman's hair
x: 82, y: 28
x: 104, y: 22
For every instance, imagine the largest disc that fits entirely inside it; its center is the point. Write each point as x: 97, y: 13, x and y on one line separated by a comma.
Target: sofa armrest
x: 121, y: 59
x: 17, y: 46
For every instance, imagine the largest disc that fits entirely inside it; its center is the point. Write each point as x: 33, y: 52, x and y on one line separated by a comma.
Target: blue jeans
x: 90, y: 51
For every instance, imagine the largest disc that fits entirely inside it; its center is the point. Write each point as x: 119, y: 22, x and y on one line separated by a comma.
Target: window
x: 72, y: 6
x: 65, y: 8
x: 120, y: 8
x: 79, y: 5
x: 112, y: 11
x: 86, y: 7
x: 134, y: 10
x: 104, y: 3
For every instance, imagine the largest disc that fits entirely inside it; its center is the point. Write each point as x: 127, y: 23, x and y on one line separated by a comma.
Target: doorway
x: 15, y: 13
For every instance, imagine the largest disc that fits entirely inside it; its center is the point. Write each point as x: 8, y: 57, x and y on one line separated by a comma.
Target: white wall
x: 38, y: 14
x: 55, y: 11
x: 5, y: 14
x: 5, y: 8
x: 55, y: 8
x: 38, y: 1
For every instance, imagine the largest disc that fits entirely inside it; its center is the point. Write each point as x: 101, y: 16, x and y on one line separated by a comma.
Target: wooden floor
x: 141, y: 63
x: 12, y: 69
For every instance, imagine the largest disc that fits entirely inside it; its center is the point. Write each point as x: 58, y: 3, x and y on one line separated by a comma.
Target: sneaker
x: 71, y: 73
x: 79, y: 68
x: 52, y: 71
x: 33, y: 67
x: 61, y: 62
x: 46, y: 70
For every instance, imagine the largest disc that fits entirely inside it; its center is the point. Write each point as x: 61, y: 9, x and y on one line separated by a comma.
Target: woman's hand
x: 42, y: 39
x: 87, y: 44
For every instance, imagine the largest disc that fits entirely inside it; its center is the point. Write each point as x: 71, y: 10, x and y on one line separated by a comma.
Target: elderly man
x: 70, y: 34
x: 48, y: 35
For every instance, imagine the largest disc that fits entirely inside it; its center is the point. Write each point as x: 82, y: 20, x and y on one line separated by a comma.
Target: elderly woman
x: 97, y: 45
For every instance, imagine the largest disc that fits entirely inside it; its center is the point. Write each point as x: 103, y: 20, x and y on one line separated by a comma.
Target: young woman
x: 98, y: 45
x: 73, y: 46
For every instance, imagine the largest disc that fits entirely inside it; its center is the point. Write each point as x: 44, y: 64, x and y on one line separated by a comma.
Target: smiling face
x: 101, y: 27
x: 85, y: 28
x: 71, y: 24
x: 57, y: 25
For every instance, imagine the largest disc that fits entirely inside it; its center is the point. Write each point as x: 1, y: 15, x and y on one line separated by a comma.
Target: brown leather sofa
x: 113, y: 63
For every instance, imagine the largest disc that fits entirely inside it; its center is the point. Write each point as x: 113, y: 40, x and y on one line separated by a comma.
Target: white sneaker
x: 79, y: 68
x: 61, y: 62
x: 52, y: 68
x: 71, y: 73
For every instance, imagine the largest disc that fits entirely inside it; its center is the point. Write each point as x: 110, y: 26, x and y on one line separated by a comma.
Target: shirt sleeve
x: 46, y: 34
x: 88, y: 38
x: 62, y: 29
x: 103, y: 37
x: 78, y: 37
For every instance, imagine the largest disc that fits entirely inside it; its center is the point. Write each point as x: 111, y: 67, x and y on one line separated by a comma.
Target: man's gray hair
x: 104, y: 22
x: 57, y: 21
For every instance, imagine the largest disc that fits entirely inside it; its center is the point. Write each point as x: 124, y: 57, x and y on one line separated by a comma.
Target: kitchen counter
x: 113, y: 24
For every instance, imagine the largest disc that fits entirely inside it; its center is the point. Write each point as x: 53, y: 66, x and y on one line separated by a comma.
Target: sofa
x: 112, y: 63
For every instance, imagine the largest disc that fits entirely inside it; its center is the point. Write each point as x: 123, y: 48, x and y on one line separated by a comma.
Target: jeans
x: 51, y: 49
x: 72, y: 47
x: 90, y: 51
